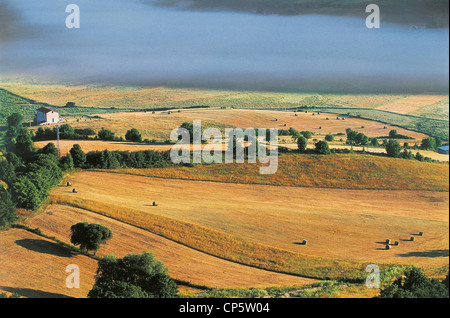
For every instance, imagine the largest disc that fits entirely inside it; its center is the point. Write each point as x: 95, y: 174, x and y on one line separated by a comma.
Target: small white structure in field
x: 47, y: 116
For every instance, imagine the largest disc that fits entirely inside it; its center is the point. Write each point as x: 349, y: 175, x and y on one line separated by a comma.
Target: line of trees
x: 77, y: 158
x: 395, y: 150
x: 67, y: 132
x: 414, y: 284
x: 27, y: 173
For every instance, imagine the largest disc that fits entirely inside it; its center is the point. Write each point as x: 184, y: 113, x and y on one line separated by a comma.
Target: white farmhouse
x: 47, y: 116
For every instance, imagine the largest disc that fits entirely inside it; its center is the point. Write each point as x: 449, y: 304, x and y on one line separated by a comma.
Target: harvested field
x: 413, y: 104
x: 184, y: 263
x: 349, y: 229
x: 159, y: 125
x: 349, y: 171
x: 35, y: 267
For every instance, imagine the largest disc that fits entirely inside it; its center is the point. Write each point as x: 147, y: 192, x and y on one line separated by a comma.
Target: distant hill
x: 428, y: 13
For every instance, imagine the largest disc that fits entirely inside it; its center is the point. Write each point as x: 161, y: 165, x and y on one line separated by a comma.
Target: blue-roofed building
x: 443, y: 150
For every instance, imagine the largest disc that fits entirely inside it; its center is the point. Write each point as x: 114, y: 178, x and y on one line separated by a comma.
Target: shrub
x: 414, y: 284
x: 143, y: 274
x: 89, y: 236
x: 105, y: 134
x: 374, y: 142
x: 133, y: 135
x: 78, y: 156
x: 322, y: 148
x: 393, y: 148
x: 66, y: 162
x: 307, y: 134
x: 8, y: 214
x: 428, y: 143
x: 419, y: 157
x: 25, y: 194
x: 329, y: 137
x: 302, y: 143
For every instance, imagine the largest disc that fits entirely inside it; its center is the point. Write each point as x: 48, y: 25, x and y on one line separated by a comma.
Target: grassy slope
x: 348, y: 171
x: 259, y: 226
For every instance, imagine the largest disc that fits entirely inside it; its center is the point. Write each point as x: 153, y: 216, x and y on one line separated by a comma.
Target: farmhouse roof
x: 45, y: 110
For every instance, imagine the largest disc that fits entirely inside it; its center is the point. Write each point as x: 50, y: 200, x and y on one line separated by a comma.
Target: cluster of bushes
x: 65, y: 132
x: 76, y: 158
x: 26, y: 173
x: 414, y: 284
x: 131, y: 135
x: 356, y: 138
x: 321, y: 147
x: 431, y: 143
x: 395, y: 150
x: 133, y: 276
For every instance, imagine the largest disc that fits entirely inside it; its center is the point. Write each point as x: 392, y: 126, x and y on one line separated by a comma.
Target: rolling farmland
x: 344, y: 205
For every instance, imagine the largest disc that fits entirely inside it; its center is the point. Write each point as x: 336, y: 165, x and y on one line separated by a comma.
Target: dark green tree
x: 419, y: 157
x: 428, y: 143
x: 133, y: 135
x: 406, y: 154
x: 105, y: 134
x: 78, y: 156
x: 374, y: 142
x: 329, y: 137
x: 302, y: 143
x: 117, y: 290
x: 109, y: 160
x: 25, y: 194
x: 322, y: 148
x: 8, y: 211
x: 7, y: 172
x: 50, y: 149
x: 351, y: 136
x: 66, y: 131
x: 24, y: 146
x: 414, y: 284
x: 66, y: 162
x: 307, y: 134
x: 89, y: 236
x: 361, y: 139
x: 393, y: 133
x: 141, y: 270
x: 393, y: 148
x: 15, y: 124
x: 13, y: 159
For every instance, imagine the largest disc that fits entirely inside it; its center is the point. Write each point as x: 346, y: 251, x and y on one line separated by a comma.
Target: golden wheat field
x: 184, y: 263
x: 347, y: 225
x: 160, y: 124
x: 35, y: 267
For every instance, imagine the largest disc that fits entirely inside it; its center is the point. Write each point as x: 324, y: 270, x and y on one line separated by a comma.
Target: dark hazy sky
x: 128, y: 42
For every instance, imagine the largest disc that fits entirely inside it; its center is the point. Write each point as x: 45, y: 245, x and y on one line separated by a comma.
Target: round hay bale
x: 421, y: 233
x: 397, y: 243
x: 388, y: 241
x: 388, y: 247
x: 412, y: 238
